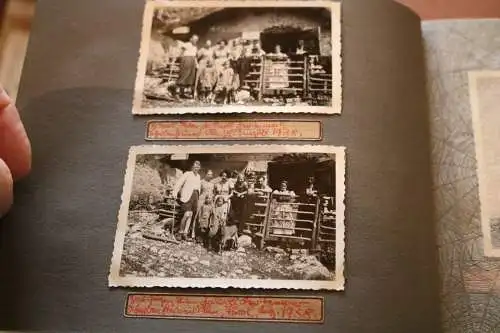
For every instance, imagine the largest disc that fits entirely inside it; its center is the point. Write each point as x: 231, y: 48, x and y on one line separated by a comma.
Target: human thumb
x: 6, y: 185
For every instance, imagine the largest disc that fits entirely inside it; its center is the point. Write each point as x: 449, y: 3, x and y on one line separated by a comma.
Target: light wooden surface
x: 14, y: 38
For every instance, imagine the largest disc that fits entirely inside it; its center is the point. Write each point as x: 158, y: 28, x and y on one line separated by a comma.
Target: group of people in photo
x: 208, y: 206
x: 214, y: 74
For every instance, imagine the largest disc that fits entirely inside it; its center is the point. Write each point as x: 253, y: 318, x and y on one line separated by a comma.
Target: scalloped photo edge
x: 336, y: 280
x: 334, y: 105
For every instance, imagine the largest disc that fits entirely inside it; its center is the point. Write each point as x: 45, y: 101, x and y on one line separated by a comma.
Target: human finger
x: 15, y: 148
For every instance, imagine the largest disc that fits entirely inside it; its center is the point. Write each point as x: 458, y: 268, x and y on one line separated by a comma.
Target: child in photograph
x: 234, y: 88
x: 208, y: 78
x: 204, y: 219
x: 225, y: 84
x: 218, y: 219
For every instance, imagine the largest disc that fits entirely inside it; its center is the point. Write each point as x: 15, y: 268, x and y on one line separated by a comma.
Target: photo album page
x: 237, y: 161
x: 463, y: 62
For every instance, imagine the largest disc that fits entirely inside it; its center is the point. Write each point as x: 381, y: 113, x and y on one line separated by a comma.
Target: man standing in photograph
x: 187, y: 189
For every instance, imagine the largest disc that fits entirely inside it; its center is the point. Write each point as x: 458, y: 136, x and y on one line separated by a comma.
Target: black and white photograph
x: 267, y: 217
x: 239, y: 56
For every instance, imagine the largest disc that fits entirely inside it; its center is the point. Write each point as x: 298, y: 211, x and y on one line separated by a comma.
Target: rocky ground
x: 157, y: 95
x: 148, y: 257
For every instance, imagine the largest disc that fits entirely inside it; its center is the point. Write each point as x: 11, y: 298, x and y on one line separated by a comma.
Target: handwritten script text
x: 309, y: 310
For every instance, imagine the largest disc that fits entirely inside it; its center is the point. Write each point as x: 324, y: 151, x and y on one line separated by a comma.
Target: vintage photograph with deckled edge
x: 484, y: 90
x: 239, y: 56
x: 244, y: 216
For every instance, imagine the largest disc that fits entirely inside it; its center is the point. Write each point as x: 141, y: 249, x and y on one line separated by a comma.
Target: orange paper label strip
x: 234, y: 130
x: 225, y: 307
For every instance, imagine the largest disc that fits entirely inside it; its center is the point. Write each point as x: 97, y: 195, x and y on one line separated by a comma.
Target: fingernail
x: 4, y: 98
x: 6, y: 184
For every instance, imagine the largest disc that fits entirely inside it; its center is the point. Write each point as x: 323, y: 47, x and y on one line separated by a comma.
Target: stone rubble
x: 149, y: 257
x: 244, y: 241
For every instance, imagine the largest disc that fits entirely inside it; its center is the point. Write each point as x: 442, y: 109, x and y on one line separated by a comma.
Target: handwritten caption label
x: 233, y: 130
x: 220, y: 307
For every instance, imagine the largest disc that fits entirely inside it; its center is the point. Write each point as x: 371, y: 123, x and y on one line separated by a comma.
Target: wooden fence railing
x: 286, y: 76
x: 268, y: 75
x: 292, y: 219
x: 169, y: 72
x: 273, y: 217
x: 327, y: 227
x: 171, y: 210
x: 258, y: 217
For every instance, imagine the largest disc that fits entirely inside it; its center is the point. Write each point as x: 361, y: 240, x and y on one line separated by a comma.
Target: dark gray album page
x: 76, y: 99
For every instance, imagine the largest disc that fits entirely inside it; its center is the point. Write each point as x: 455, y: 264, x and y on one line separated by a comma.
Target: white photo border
x: 115, y: 280
x: 474, y: 76
x: 151, y: 5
